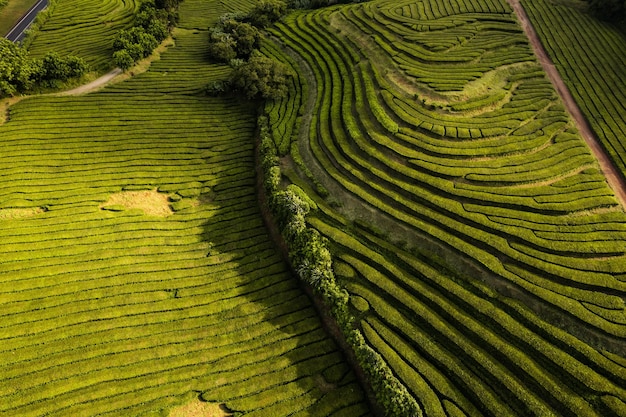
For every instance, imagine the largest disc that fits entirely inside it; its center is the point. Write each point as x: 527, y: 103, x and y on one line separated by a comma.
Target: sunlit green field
x: 136, y: 269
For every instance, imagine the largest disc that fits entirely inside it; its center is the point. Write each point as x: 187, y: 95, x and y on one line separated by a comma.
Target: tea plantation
x: 479, y: 248
x: 592, y: 65
x: 116, y: 301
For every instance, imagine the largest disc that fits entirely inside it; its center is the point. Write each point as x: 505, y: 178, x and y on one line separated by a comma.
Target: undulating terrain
x: 482, y: 249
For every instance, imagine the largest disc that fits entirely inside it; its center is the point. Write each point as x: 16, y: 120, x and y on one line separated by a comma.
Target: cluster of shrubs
x: 311, y: 259
x: 19, y: 73
x: 153, y: 24
x: 236, y: 40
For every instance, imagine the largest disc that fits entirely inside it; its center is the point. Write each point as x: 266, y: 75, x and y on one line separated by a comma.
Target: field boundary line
x: 611, y: 173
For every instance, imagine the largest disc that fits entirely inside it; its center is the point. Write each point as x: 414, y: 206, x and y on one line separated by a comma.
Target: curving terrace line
x: 612, y: 174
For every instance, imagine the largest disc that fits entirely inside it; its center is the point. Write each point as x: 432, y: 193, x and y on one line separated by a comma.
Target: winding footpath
x: 612, y: 174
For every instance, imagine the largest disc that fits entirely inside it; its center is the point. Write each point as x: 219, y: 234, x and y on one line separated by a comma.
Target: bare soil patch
x: 152, y: 202
x: 198, y: 408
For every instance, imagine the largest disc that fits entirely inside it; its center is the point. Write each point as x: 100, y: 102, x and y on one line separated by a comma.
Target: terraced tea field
x: 589, y: 55
x: 482, y: 248
x: 83, y: 28
x: 136, y: 270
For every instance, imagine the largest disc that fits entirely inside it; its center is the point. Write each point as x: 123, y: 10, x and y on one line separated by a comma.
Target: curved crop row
x: 88, y: 34
x: 136, y: 269
x: 590, y: 57
x: 406, y: 137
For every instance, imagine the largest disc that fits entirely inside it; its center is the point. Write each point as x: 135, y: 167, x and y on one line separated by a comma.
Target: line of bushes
x: 311, y: 259
x: 153, y: 24
x: 20, y: 73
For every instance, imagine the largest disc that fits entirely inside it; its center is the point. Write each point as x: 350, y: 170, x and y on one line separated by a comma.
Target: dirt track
x: 94, y: 85
x: 613, y: 176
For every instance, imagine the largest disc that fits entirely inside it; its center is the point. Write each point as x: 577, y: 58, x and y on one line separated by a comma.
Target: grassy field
x: 589, y: 55
x: 480, y: 243
x: 482, y: 250
x: 136, y: 269
x: 11, y: 12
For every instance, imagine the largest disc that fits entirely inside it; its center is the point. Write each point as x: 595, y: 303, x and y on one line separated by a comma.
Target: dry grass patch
x: 152, y: 202
x: 19, y: 213
x: 197, y: 408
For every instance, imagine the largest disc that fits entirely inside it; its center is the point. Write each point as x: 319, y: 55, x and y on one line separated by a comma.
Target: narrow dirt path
x: 94, y: 85
x: 612, y: 174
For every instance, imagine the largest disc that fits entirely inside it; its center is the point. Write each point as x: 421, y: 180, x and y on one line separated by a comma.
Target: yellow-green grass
x: 109, y: 308
x: 12, y: 12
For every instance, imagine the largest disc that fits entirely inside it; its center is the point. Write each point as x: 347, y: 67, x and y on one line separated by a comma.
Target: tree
x: 261, y: 77
x: 53, y: 67
x: 221, y: 45
x: 233, y: 39
x: 123, y: 59
x: 267, y: 12
x: 17, y: 71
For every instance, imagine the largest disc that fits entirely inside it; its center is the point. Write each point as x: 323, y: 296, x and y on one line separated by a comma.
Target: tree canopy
x: 611, y: 10
x: 261, y: 77
x: 19, y: 73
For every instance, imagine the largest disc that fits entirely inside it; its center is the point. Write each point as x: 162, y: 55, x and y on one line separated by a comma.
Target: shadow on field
x: 278, y: 360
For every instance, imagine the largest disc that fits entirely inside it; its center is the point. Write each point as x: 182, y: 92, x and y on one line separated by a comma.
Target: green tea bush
x: 311, y: 259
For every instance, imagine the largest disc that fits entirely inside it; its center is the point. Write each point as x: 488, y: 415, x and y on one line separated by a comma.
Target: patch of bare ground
x: 19, y: 213
x: 151, y: 202
x: 613, y: 177
x: 198, y: 408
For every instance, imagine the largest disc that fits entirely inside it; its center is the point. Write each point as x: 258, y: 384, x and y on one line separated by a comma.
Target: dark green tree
x: 261, y: 77
x: 611, y: 10
x: 267, y: 12
x: 17, y: 71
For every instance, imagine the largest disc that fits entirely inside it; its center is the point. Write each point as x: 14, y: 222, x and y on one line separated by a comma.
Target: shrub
x: 233, y: 39
x: 16, y: 70
x: 267, y: 12
x: 53, y: 67
x: 261, y: 77
x: 19, y: 73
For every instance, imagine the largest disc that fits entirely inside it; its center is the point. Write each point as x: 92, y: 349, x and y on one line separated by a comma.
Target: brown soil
x: 612, y: 174
x: 19, y: 213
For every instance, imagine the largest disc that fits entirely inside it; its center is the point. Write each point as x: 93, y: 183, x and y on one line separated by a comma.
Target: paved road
x: 16, y: 34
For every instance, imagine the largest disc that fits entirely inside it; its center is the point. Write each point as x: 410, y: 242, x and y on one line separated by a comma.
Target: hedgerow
x: 311, y: 259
